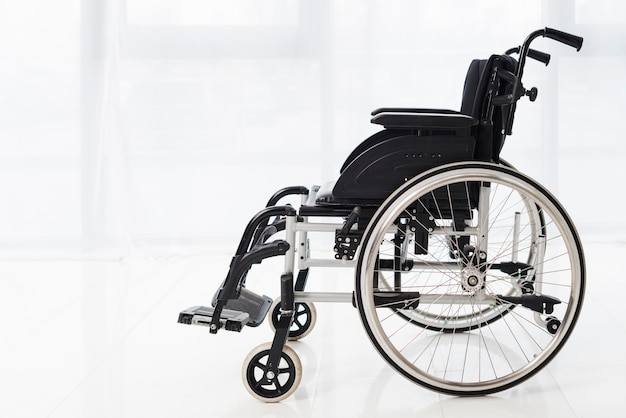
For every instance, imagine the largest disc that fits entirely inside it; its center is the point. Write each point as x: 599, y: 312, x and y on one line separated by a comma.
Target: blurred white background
x: 161, y: 126
x: 138, y: 137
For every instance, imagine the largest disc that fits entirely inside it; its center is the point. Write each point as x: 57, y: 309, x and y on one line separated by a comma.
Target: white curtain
x: 161, y: 127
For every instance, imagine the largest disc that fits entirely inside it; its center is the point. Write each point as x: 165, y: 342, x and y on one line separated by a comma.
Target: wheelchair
x: 469, y: 275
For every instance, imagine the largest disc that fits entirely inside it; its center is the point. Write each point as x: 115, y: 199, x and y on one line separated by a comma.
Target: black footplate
x: 256, y: 306
x: 203, y: 315
x: 248, y: 309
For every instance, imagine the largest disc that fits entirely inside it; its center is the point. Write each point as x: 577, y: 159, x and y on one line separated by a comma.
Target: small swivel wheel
x: 303, y: 319
x: 265, y: 385
x: 552, y: 324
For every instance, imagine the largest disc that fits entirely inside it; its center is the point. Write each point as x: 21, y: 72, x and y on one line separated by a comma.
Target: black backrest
x: 471, y: 85
x: 479, y: 87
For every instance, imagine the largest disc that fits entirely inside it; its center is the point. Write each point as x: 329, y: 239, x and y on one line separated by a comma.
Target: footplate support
x: 203, y: 315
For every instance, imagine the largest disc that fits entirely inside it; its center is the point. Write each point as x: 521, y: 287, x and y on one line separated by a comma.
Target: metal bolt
x: 270, y: 375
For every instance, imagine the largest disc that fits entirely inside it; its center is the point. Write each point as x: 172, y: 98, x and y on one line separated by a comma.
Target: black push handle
x: 564, y: 37
x: 532, y: 53
x: 539, y: 56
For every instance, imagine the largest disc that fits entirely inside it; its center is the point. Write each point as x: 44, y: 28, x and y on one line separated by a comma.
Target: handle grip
x: 532, y: 53
x: 564, y: 37
x: 539, y: 56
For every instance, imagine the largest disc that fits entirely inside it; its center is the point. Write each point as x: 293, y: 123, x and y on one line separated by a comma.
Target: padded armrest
x: 427, y: 120
x: 411, y: 110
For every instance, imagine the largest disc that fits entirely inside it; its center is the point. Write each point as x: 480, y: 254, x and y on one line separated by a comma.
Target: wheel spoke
x: 257, y: 364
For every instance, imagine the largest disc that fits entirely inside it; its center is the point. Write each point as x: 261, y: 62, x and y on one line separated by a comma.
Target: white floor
x: 100, y: 339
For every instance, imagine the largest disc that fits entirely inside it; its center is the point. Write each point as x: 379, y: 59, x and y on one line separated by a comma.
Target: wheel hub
x: 472, y: 279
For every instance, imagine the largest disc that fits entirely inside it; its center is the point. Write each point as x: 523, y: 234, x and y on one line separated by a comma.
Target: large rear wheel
x: 486, y: 262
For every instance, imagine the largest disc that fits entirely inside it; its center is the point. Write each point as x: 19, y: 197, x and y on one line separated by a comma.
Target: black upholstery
x: 415, y: 140
x: 383, y: 167
x: 471, y: 86
x: 475, y: 95
x: 424, y: 120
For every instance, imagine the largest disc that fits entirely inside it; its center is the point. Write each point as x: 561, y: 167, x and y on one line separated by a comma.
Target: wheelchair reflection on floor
x: 469, y: 275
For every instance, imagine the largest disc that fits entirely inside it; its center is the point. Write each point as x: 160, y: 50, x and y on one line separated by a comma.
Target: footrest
x: 202, y: 315
x: 256, y: 306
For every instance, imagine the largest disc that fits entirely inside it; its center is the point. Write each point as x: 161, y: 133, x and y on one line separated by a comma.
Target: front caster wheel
x: 303, y: 319
x: 265, y: 385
